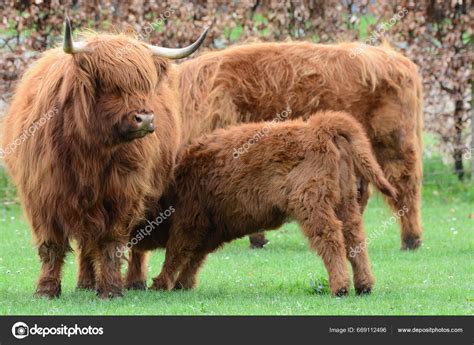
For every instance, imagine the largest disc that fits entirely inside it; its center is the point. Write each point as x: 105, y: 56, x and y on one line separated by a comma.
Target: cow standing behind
x: 90, y: 171
x: 257, y: 82
x: 298, y: 170
x: 379, y: 87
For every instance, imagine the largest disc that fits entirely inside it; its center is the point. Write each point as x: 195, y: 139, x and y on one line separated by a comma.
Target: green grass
x: 281, y: 279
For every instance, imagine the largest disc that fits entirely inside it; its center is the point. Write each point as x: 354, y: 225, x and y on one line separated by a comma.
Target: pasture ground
x: 283, y: 278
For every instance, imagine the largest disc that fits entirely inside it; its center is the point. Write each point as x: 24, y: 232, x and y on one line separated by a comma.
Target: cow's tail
x: 343, y: 124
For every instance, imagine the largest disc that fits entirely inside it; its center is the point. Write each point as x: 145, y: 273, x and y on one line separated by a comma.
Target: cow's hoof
x: 411, y: 243
x: 48, y: 291
x: 363, y: 290
x: 258, y: 241
x: 85, y: 285
x: 138, y: 285
x: 109, y: 294
x: 342, y: 292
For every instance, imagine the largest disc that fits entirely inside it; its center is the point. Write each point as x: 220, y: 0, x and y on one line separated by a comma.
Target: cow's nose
x: 145, y: 121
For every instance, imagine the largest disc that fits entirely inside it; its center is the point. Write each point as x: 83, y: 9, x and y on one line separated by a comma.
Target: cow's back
x: 258, y: 82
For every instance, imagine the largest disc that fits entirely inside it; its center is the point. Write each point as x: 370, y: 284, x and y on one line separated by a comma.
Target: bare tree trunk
x: 471, y: 153
x: 459, y: 148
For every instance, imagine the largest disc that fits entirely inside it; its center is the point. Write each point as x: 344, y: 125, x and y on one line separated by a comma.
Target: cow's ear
x: 162, y: 66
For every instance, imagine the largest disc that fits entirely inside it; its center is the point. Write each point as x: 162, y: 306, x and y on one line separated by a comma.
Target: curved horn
x: 69, y: 46
x: 178, y: 53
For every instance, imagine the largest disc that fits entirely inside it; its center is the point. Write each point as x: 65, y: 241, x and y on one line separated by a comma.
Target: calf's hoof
x: 411, y: 243
x: 138, y: 285
x: 160, y: 284
x: 342, y: 292
x: 185, y: 285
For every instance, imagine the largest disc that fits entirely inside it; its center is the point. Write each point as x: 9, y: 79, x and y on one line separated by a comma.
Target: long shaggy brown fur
x: 378, y: 86
x: 297, y: 170
x: 78, y: 179
x: 250, y: 83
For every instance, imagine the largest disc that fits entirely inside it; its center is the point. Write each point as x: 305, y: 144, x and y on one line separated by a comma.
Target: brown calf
x: 298, y: 170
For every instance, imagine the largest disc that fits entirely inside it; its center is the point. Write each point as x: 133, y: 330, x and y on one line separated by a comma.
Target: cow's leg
x: 398, y: 150
x: 52, y: 256
x: 258, y: 240
x: 323, y: 229
x: 356, y: 247
x: 408, y: 207
x: 404, y: 174
x: 86, y: 275
x: 187, y: 279
x: 107, y: 265
x: 136, y: 272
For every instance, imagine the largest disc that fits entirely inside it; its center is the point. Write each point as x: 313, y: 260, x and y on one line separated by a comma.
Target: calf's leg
x: 175, y: 260
x: 187, y: 279
x: 356, y: 248
x: 324, y: 232
x: 363, y: 193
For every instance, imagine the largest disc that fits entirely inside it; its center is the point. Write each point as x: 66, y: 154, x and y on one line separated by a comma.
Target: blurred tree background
x: 435, y: 34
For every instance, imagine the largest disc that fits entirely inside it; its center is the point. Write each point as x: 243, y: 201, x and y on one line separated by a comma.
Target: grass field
x: 281, y: 279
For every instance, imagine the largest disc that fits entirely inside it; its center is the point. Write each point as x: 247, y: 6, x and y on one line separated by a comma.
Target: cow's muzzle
x: 141, y: 124
x: 144, y: 122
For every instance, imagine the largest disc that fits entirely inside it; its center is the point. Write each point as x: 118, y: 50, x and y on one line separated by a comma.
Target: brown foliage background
x: 434, y: 34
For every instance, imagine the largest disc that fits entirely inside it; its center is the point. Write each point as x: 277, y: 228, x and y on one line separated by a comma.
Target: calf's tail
x: 343, y: 124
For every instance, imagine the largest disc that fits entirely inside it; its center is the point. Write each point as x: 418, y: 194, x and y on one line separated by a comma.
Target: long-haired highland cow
x: 93, y: 163
x: 298, y: 170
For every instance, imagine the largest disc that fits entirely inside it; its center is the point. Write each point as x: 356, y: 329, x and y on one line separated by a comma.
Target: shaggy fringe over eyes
x: 116, y: 64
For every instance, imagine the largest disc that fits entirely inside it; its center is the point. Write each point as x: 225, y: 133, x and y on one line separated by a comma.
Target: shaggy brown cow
x: 77, y: 148
x: 292, y: 170
x: 378, y: 86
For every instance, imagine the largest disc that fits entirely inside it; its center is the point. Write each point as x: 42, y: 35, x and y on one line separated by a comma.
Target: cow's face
x: 125, y: 79
x: 115, y: 83
x: 121, y: 118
